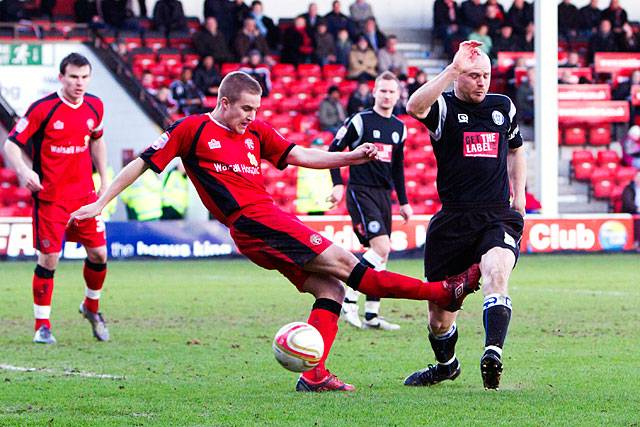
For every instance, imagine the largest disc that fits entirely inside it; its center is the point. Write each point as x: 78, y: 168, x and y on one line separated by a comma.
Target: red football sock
x: 385, y: 284
x: 324, y: 317
x: 42, y: 286
x: 94, y: 275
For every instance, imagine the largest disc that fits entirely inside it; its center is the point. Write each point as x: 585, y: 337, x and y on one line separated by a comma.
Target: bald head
x: 473, y: 82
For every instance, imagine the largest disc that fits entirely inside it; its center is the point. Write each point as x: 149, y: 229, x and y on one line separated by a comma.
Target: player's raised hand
x: 364, y: 153
x: 466, y: 55
x: 336, y: 195
x: 31, y: 180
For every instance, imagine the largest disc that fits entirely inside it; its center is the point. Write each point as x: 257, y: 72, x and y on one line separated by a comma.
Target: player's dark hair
x: 237, y: 82
x: 73, y: 59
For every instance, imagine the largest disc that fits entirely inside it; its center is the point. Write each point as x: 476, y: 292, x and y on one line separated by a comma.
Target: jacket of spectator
x: 390, y: 59
x: 494, y: 20
x: 471, y: 15
x: 114, y: 12
x: 343, y: 48
x: 630, y: 202
x: 374, y: 36
x: 265, y: 25
x: 603, y: 41
x: 481, y: 34
x: 168, y: 15
x: 331, y: 113
x: 360, y: 11
x: 312, y: 18
x: 206, y: 77
x: 590, y: 16
x: 187, y: 94
x: 505, y: 41
x: 336, y: 20
x: 362, y: 61
x: 519, y: 16
x: 208, y: 41
x: 445, y: 13
x: 325, y: 45
x: 628, y: 39
x: 360, y: 99
x: 568, y: 17
x: 616, y: 15
x: 249, y: 38
x: 259, y: 71
x: 297, y: 45
x: 85, y: 10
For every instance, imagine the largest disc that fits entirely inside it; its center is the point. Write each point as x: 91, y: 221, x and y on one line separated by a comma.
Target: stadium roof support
x: 546, y: 105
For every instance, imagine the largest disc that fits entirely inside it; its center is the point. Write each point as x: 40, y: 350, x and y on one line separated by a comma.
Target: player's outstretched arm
x: 421, y: 101
x: 27, y: 175
x: 318, y: 159
x: 125, y: 178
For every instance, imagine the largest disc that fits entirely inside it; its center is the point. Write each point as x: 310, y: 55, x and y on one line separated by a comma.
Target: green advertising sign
x: 20, y: 54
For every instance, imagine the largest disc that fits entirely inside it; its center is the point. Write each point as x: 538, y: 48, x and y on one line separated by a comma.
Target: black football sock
x: 496, y: 317
x: 444, y: 348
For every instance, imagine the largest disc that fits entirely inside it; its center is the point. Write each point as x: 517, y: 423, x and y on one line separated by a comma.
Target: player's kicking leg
x: 324, y: 316
x: 94, y: 272
x: 496, y: 266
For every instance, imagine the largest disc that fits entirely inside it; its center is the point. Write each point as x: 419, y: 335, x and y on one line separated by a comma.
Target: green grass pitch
x: 192, y: 341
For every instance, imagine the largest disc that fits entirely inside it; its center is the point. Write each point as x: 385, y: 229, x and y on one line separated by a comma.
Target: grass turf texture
x: 193, y: 341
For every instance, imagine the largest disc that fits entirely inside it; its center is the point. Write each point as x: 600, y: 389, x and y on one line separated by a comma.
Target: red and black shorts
x: 456, y: 239
x: 50, y: 225
x: 277, y: 240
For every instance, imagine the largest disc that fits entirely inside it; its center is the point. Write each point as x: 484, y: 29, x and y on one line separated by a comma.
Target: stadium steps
x: 416, y: 46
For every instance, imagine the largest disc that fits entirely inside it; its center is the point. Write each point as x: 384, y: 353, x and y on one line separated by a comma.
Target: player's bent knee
x: 97, y: 255
x: 49, y: 261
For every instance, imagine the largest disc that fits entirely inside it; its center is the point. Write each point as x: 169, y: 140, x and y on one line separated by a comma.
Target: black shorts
x: 457, y: 239
x: 370, y: 210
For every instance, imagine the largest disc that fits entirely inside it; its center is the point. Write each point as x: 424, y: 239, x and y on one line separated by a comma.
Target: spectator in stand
x: 628, y: 39
x: 520, y: 15
x: 363, y: 62
x: 325, y: 45
x: 360, y: 99
x: 532, y: 205
x: 494, y: 19
x: 568, y: 78
x: 168, y: 16
x: 116, y: 15
x: 239, y: 11
x: 166, y: 102
x: 360, y: 11
x: 336, y: 20
x: 445, y: 23
x: 481, y: 34
x: 631, y: 198
x: 505, y: 41
x: 573, y: 60
x: 206, y: 76
x: 184, y: 91
x: 525, y: 97
x: 616, y: 15
x: 590, y: 16
x: 331, y: 113
x: 297, y: 45
x: 603, y: 41
x: 501, y: 14
x: 471, y: 16
x: 229, y: 15
x: 391, y: 59
x: 208, y: 41
x: 343, y: 48
x: 527, y: 43
x: 259, y: 71
x: 265, y: 25
x: 631, y: 147
x: 148, y: 82
x: 121, y: 49
x: 12, y: 11
x: 85, y: 10
x: 374, y: 36
x: 312, y: 18
x: 249, y: 38
x: 622, y: 92
x: 418, y: 81
x: 568, y: 20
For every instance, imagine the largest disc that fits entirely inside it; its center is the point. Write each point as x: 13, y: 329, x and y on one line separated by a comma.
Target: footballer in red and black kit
x: 480, y: 156
x: 62, y: 135
x: 221, y: 152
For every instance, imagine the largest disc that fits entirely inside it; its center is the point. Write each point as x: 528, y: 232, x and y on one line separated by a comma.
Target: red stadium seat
x: 607, y: 157
x: 191, y: 59
x: 575, y: 136
x: 309, y: 72
x: 8, y: 177
x: 335, y: 73
x: 155, y: 43
x: 228, y: 67
x: 578, y: 156
x: 582, y: 170
x: 308, y: 122
x: 280, y: 71
x: 625, y: 174
x: 600, y: 134
x: 602, y: 189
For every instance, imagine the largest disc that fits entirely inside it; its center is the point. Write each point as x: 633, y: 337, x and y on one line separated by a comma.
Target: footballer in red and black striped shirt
x: 221, y: 152
x: 62, y: 134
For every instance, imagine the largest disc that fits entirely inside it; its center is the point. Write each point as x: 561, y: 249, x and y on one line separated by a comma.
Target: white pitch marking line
x: 64, y: 372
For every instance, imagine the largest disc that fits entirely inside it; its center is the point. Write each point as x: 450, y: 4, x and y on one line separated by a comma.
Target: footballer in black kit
x: 368, y: 192
x: 480, y: 157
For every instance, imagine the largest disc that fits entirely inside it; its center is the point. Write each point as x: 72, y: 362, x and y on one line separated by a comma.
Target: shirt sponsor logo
x: 237, y: 168
x: 71, y: 149
x: 315, y: 239
x: 480, y: 144
x: 249, y: 143
x: 395, y: 137
x: 22, y: 124
x: 214, y: 143
x: 159, y: 143
x: 376, y: 134
x: 497, y: 117
x: 58, y: 125
x: 463, y: 118
x: 384, y: 152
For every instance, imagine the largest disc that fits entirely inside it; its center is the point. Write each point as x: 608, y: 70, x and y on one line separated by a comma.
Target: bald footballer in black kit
x: 479, y: 155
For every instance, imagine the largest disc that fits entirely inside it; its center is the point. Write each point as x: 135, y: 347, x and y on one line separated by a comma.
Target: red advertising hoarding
x: 617, y: 63
x: 635, y: 95
x: 593, y: 111
x: 599, y: 92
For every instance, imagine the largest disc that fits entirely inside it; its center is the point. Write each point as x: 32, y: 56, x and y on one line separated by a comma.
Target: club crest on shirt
x: 376, y: 134
x: 214, y: 143
x: 22, y: 124
x: 90, y: 124
x: 497, y: 117
x: 249, y: 143
x: 395, y: 137
x: 315, y: 239
x: 159, y: 143
x: 373, y: 227
x: 58, y: 125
